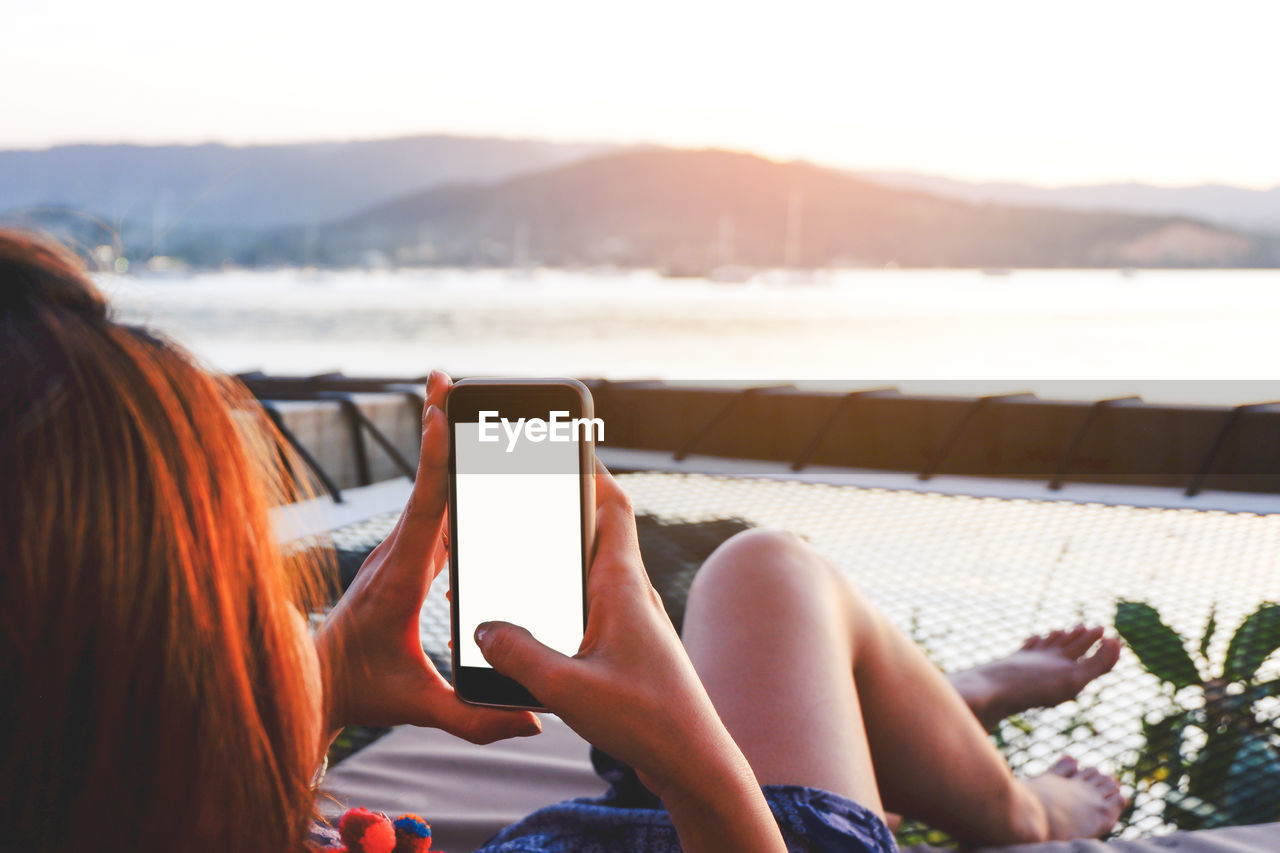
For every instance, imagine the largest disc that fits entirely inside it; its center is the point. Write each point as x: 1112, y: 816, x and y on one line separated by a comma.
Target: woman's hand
x: 632, y: 691
x: 370, y: 648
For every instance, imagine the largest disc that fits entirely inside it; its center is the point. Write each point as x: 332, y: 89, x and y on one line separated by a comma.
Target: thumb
x: 516, y: 653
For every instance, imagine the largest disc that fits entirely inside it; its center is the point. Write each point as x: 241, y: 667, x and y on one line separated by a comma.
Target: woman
x: 162, y: 691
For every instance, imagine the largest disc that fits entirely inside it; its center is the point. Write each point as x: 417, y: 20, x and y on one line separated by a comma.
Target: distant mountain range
x: 453, y: 200
x: 697, y: 210
x: 255, y: 186
x: 1235, y: 207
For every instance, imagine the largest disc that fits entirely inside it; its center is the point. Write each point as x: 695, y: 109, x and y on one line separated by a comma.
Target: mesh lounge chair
x: 1008, y: 568
x: 468, y: 793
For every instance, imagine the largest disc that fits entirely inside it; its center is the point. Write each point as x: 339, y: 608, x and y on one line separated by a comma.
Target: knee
x: 761, y: 558
x: 765, y: 545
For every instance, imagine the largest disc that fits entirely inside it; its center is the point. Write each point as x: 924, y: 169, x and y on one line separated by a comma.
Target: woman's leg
x: 819, y: 689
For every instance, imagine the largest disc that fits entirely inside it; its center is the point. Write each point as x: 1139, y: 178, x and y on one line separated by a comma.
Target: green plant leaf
x: 1161, y: 758
x: 1252, y: 779
x: 1256, y: 638
x: 1157, y: 645
x: 1189, y: 812
x: 1210, y: 627
x: 1243, y: 702
x: 1208, y: 775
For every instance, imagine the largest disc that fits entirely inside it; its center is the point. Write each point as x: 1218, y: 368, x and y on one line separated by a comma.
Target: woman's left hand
x: 376, y: 672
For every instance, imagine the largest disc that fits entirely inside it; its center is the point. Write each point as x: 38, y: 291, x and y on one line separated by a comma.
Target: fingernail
x: 426, y: 417
x: 432, y: 378
x: 482, y: 631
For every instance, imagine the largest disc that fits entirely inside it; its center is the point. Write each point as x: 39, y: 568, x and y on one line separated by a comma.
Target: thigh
x: 767, y: 627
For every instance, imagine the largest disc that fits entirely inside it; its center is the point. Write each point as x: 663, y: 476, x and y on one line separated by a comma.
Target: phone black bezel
x: 513, y: 399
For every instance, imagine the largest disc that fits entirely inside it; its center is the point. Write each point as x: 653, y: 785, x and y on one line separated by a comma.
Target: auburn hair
x: 153, y: 690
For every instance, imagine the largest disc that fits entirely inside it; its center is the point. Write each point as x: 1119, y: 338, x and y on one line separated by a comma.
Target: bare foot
x: 1046, y: 671
x: 1079, y: 802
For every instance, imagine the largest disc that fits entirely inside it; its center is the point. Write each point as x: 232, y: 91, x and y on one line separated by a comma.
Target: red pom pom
x: 413, y: 834
x: 364, y: 831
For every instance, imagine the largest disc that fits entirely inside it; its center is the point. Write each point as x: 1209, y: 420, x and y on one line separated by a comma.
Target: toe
x: 1054, y: 639
x: 1110, y: 789
x: 1030, y: 642
x: 1081, y: 640
x: 1102, y: 661
x: 1105, y: 785
x: 1069, y: 639
x: 1064, y: 766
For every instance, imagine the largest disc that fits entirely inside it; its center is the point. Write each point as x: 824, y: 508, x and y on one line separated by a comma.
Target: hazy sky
x: 1167, y: 92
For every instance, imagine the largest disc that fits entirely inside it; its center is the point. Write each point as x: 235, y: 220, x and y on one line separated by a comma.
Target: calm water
x: 914, y: 329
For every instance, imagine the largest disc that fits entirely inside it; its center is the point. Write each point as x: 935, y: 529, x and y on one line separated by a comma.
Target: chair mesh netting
x: 1188, y: 717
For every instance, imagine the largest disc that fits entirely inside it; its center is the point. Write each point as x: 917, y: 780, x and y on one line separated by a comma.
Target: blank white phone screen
x: 519, y: 541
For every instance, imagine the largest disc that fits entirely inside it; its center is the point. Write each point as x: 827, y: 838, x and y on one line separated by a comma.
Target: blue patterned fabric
x: 629, y: 818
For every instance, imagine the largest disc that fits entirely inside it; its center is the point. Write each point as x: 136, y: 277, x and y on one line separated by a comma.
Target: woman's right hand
x: 632, y: 691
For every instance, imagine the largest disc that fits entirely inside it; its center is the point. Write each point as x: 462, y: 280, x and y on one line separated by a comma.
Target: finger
x: 436, y: 564
x: 438, y: 385
x: 607, y: 489
x: 408, y: 558
x: 423, y: 517
x: 440, y: 553
x: 480, y: 725
x: 617, y: 560
x: 515, y: 653
x: 617, y: 552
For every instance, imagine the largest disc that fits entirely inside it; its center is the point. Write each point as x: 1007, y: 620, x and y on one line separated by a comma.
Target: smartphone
x: 521, y: 520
